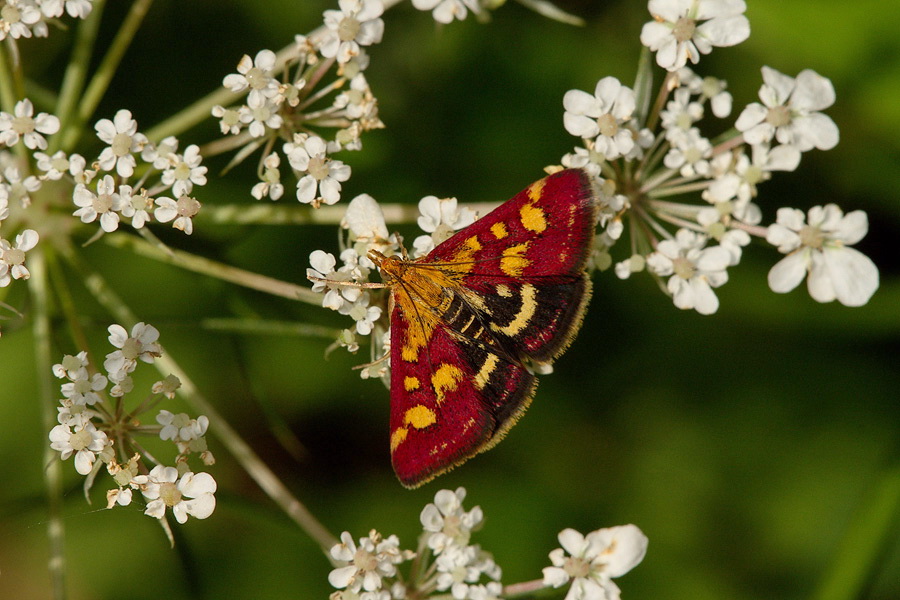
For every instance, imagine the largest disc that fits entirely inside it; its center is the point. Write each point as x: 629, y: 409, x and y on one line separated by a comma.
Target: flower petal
x: 789, y: 271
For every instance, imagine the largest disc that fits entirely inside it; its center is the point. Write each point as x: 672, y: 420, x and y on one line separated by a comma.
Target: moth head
x: 391, y: 267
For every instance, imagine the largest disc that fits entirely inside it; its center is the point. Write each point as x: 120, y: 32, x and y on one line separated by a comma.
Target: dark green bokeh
x: 744, y: 444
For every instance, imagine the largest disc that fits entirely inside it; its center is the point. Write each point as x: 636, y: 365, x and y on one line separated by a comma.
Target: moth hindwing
x: 469, y: 318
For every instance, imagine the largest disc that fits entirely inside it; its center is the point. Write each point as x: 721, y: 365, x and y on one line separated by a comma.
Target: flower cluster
x: 447, y: 563
x: 645, y: 161
x: 97, y: 429
x: 290, y: 104
x: 27, y: 18
x: 114, y: 196
x: 106, y: 191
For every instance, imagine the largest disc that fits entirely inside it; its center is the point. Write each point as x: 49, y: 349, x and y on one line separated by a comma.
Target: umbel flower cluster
x: 447, y: 563
x: 99, y: 425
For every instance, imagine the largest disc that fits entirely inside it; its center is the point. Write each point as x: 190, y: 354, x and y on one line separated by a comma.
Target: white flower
x: 694, y: 270
x: 229, y: 119
x: 591, y: 561
x: 365, y: 317
x: 446, y: 521
x: 740, y: 179
x: 181, y: 211
x: 367, y: 563
x: 685, y: 29
x: 689, y: 154
x: 185, y: 171
x: 365, y: 220
x: 337, y: 296
x: 192, y: 494
x: 255, y: 75
x: 180, y: 427
x: 135, y: 207
x: 82, y: 387
x: 322, y: 182
x: 59, y: 164
x: 124, y: 141
x: 18, y: 19
x: 23, y: 123
x: 444, y: 11
x: 356, y: 24
x: 790, y: 112
x: 105, y: 204
x: 16, y: 189
x: 140, y: 345
x: 260, y: 119
x: 602, y: 117
x: 70, y: 366
x: 270, y: 185
x: 12, y: 258
x: 85, y: 442
x: 820, y: 246
x: 681, y: 113
x: 440, y: 217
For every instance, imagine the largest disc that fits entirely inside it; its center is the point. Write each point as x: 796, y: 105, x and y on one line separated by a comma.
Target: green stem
x: 270, y: 328
x: 243, y: 452
x: 76, y: 73
x: 106, y: 71
x: 871, y: 533
x: 8, y: 91
x: 212, y: 268
x: 39, y: 287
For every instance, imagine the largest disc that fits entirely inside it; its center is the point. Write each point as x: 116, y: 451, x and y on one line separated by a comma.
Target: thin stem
x: 212, y: 268
x: 106, y: 71
x: 664, y: 90
x: 522, y: 589
x: 676, y: 190
x: 243, y: 453
x: 270, y: 328
x: 76, y: 73
x: 8, y: 90
x: 39, y: 286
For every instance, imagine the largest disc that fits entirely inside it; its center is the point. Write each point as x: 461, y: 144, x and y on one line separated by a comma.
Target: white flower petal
x: 789, y: 271
x: 853, y: 275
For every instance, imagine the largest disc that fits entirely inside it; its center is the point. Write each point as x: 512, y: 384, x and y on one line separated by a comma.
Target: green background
x: 750, y: 446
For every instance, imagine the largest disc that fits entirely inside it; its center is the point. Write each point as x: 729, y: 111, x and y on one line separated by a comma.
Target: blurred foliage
x: 746, y: 445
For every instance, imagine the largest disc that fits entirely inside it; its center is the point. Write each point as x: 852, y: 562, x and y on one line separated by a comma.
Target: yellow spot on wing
x: 533, y: 218
x: 484, y: 373
x: 536, y: 189
x: 420, y: 416
x: 445, y: 379
x: 504, y: 291
x: 499, y: 230
x: 410, y: 384
x: 529, y: 306
x: 398, y: 437
x: 513, y: 262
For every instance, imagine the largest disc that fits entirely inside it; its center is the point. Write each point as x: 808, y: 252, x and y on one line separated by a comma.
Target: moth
x: 471, y: 322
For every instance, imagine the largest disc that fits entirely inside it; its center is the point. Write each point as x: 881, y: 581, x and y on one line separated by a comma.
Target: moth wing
x: 458, y: 398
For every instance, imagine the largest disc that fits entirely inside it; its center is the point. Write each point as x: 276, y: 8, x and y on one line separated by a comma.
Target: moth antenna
x: 377, y: 361
x: 357, y: 284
